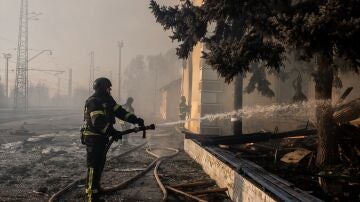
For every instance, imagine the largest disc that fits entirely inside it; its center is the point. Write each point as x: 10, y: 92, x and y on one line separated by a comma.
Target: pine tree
x: 237, y: 33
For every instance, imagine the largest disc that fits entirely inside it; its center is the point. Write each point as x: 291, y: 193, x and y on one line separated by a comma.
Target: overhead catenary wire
x: 52, y: 63
x: 49, y: 84
x: 8, y: 40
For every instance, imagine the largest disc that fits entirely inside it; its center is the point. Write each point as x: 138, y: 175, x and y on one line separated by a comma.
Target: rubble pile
x: 293, y: 158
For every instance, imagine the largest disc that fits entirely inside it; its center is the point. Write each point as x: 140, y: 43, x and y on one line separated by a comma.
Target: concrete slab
x: 239, y: 188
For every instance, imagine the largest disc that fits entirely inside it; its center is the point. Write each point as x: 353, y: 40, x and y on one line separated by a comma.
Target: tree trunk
x: 238, y: 102
x: 327, y: 146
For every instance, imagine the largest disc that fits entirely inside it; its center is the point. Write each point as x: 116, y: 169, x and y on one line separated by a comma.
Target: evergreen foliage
x: 238, y: 33
x: 258, y: 80
x: 251, y: 31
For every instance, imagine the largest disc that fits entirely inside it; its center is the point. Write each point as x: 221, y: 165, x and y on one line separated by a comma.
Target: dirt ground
x: 41, y: 155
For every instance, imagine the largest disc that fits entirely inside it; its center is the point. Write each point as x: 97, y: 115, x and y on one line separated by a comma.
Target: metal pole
x: 70, y: 83
x: 7, y: 57
x: 155, y: 93
x: 120, y: 45
x: 58, y: 87
x: 59, y: 82
x: 21, y: 101
x: 91, y: 79
x: 21, y: 81
x: 27, y: 58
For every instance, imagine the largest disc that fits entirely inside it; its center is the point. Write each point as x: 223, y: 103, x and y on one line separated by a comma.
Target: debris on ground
x: 297, y: 163
x: 198, y: 190
x: 295, y: 156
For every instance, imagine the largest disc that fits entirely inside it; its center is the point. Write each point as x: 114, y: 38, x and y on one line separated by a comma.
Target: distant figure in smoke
x: 128, y: 107
x: 99, y: 116
x: 297, y: 85
x: 184, y: 110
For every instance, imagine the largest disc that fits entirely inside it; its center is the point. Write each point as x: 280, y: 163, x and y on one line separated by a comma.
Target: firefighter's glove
x: 117, y: 135
x: 140, y: 121
x: 82, y: 135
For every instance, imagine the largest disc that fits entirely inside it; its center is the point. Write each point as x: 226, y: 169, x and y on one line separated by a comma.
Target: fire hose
x: 159, y: 160
x: 156, y: 162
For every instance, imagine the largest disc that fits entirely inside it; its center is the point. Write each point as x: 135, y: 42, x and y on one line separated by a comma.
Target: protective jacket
x: 100, y: 112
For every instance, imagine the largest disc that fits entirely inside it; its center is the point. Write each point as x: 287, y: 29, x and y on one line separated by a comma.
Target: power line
x: 47, y: 70
x: 6, y: 39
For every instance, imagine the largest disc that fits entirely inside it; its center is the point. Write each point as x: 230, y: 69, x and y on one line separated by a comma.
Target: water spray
x: 299, y: 110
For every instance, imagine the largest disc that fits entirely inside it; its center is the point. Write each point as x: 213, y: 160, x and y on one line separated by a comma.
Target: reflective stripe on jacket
x: 100, y: 112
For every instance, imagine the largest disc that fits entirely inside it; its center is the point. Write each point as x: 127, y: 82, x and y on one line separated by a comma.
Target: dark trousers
x: 96, y: 157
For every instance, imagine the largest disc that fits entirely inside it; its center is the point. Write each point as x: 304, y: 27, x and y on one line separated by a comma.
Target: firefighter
x: 184, y: 110
x: 297, y: 85
x: 99, y: 116
x: 128, y: 107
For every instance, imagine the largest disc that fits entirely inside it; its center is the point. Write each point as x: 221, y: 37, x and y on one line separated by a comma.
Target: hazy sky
x: 73, y: 28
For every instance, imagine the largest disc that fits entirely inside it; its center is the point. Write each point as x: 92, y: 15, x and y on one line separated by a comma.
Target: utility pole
x: 155, y: 93
x: 92, y: 69
x: 59, y: 82
x: 120, y: 45
x: 70, y: 83
x: 22, y: 80
x: 7, y: 56
x: 58, y: 87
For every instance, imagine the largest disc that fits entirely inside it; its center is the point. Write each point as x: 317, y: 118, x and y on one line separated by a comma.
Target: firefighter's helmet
x: 101, y: 84
x: 130, y: 100
x: 182, y: 99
